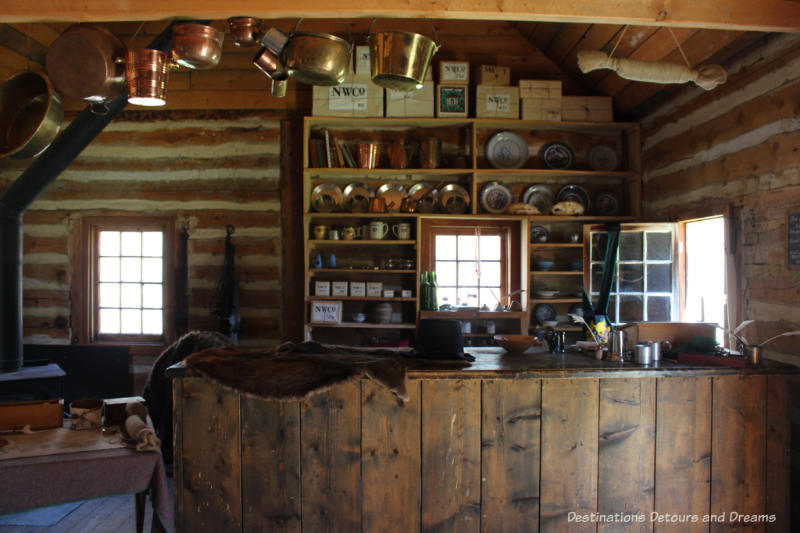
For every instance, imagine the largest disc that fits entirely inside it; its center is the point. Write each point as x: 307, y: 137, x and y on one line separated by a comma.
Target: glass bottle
x: 424, y: 292
x: 434, y: 300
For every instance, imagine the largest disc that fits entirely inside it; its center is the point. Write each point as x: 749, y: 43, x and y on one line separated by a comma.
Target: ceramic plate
x: 540, y: 196
x: 393, y: 193
x: 544, y: 312
x: 507, y: 150
x: 607, y: 204
x: 423, y: 188
x: 603, y: 158
x: 542, y: 293
x: 453, y: 199
x: 495, y: 197
x: 326, y: 197
x: 357, y: 196
x: 557, y: 156
x: 574, y: 193
x: 539, y: 234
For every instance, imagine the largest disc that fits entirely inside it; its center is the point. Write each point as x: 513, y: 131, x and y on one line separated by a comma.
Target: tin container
x: 643, y: 354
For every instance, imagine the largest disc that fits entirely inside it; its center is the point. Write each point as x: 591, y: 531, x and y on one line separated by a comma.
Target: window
x: 473, y: 262
x: 642, y: 288
x: 126, y: 280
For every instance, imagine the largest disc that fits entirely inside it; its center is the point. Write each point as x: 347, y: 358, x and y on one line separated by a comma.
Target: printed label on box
x: 322, y: 288
x: 339, y: 288
x: 362, y: 59
x: 348, y: 97
x: 400, y: 95
x: 455, y: 72
x: 357, y: 288
x: 498, y: 103
x: 388, y: 293
x: 405, y: 293
x: 326, y: 312
x: 374, y: 288
x: 453, y: 100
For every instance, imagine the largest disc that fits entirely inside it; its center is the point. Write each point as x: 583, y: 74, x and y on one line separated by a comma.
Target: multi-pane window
x: 125, y: 276
x: 469, y: 269
x: 643, y: 287
x: 130, y: 288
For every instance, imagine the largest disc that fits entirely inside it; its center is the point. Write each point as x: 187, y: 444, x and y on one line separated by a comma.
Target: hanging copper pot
x: 196, y: 46
x: 87, y: 62
x: 245, y: 31
x: 30, y: 115
x: 146, y: 71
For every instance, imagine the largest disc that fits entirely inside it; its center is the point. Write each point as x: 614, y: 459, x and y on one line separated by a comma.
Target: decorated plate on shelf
x: 607, y: 204
x: 574, y: 193
x: 540, y: 196
x: 603, y: 158
x: 507, y: 150
x: 357, y: 196
x: 326, y: 197
x: 557, y: 155
x: 539, y: 234
x: 453, y: 199
x: 421, y: 189
x: 393, y: 193
x: 544, y: 312
x: 495, y: 197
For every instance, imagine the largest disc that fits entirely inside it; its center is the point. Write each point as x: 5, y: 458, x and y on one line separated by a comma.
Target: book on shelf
x: 328, y: 151
x: 347, y: 157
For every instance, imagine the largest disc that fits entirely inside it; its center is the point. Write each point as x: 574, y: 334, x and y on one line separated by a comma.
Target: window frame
x: 85, y: 297
x: 511, y: 250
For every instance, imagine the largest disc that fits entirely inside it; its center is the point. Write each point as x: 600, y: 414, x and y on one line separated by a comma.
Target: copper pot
x: 30, y: 115
x: 245, y: 31
x: 196, y: 46
x: 147, y: 77
x: 269, y: 63
x: 87, y: 62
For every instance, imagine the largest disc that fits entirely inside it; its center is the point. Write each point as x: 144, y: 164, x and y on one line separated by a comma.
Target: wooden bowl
x: 515, y: 343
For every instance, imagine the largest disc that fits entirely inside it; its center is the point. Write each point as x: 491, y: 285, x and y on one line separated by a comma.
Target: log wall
x: 205, y: 170
x: 738, y: 146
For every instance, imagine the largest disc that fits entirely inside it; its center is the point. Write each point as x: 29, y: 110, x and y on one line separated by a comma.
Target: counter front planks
x: 527, y: 443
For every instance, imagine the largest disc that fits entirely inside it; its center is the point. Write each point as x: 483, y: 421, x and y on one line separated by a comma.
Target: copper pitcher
x: 378, y: 205
x: 408, y: 205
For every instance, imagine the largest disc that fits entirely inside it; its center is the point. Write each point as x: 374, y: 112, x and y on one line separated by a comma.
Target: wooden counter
x: 511, y: 443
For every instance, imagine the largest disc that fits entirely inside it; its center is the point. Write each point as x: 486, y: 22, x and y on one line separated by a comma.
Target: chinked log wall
x: 205, y: 169
x: 489, y: 455
x: 738, y: 145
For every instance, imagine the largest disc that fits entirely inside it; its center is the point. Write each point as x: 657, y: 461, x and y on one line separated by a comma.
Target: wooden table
x: 61, y: 465
x: 531, y: 442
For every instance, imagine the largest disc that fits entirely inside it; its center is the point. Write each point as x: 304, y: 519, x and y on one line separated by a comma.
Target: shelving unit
x: 463, y: 147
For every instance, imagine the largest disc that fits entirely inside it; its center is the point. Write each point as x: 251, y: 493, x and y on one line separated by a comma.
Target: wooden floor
x: 103, y: 515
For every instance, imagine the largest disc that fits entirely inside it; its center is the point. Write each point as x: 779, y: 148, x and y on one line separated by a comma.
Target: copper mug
x: 430, y: 153
x: 368, y: 155
x: 378, y: 205
x: 401, y: 153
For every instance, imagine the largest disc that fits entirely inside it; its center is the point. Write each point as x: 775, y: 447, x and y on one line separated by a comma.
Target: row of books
x: 329, y: 152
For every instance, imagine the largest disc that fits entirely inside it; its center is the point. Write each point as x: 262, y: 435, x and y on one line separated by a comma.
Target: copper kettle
x: 378, y: 205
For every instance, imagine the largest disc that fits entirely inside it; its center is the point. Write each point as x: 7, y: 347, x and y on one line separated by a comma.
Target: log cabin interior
x: 477, y: 448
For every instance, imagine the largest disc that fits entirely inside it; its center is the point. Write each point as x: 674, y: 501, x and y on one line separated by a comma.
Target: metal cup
x: 643, y: 354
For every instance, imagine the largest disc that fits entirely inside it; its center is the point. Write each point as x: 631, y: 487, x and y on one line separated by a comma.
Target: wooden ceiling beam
x: 761, y: 15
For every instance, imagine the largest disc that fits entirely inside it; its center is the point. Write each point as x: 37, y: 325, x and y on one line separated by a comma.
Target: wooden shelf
x: 359, y: 271
x: 313, y: 243
x: 556, y: 245
x: 365, y: 325
x: 537, y: 173
x: 392, y: 214
x: 475, y: 315
x: 367, y: 173
x: 557, y: 272
x: 555, y: 300
x: 362, y: 298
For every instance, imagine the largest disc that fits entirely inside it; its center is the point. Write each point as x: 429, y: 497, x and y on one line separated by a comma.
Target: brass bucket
x: 399, y: 60
x: 30, y: 115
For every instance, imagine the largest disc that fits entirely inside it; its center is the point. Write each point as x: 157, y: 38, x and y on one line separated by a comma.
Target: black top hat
x: 440, y: 338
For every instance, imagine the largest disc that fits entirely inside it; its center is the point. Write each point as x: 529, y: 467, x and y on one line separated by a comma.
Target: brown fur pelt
x: 290, y: 371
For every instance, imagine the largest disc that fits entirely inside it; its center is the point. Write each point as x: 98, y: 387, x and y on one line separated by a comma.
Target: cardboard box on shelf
x: 496, y: 102
x: 454, y: 72
x: 322, y: 288
x: 493, y: 75
x: 418, y: 103
x: 541, y: 109
x: 587, y: 109
x: 339, y: 288
x: 357, y: 96
x: 539, y: 89
x: 358, y: 288
x: 451, y: 100
x: 374, y: 288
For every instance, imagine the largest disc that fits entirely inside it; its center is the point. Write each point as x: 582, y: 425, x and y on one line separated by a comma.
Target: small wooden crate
x: 454, y: 72
x: 418, y: 103
x: 452, y: 100
x: 541, y: 109
x: 40, y: 414
x: 493, y: 75
x: 544, y: 89
x: 496, y: 102
x: 587, y: 109
x: 357, y: 96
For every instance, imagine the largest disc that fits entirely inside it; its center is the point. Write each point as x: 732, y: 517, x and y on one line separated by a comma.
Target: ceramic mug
x: 350, y: 233
x: 378, y: 230
x: 402, y: 231
x: 320, y: 232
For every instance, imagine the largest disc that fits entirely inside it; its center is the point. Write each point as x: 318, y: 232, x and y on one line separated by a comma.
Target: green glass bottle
x: 424, y: 292
x: 434, y: 292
